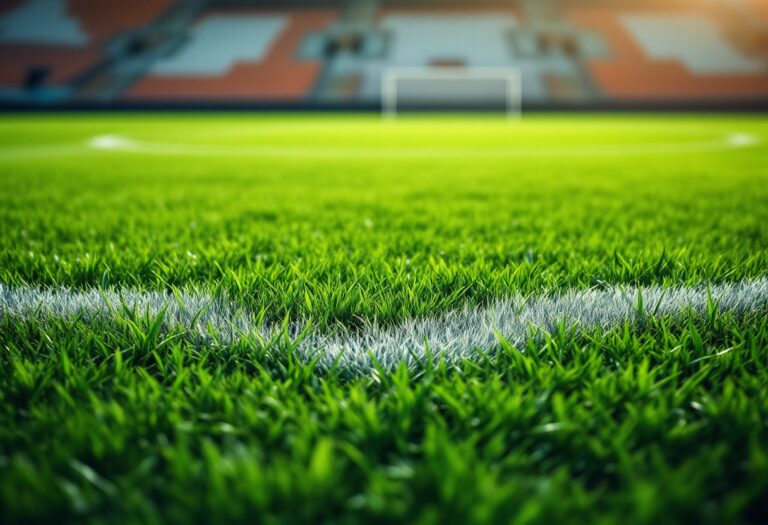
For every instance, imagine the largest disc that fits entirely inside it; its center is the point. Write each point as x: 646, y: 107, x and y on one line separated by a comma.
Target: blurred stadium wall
x: 333, y: 54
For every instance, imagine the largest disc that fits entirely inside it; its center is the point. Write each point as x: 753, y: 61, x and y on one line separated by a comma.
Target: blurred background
x: 334, y: 53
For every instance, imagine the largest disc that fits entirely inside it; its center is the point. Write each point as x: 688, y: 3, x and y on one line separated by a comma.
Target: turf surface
x: 342, y: 221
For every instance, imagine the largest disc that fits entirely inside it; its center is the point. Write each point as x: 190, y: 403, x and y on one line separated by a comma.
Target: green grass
x: 663, y: 422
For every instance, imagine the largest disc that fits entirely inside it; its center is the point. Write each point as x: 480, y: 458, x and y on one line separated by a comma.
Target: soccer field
x: 356, y: 320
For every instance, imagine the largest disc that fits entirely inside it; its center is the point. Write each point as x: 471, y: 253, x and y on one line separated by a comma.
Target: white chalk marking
x: 109, y: 142
x: 117, y: 143
x: 466, y: 333
x: 742, y: 140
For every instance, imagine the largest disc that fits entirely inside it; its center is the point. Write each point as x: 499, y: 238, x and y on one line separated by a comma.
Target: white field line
x: 124, y: 144
x: 466, y: 333
x: 118, y: 143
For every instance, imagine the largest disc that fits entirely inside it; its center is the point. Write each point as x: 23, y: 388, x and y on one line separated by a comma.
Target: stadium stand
x: 211, y: 51
x: 669, y: 53
x: 423, y: 39
x: 758, y: 8
x: 471, y: 37
x: 692, y: 39
x: 44, y: 22
x: 458, y: 39
x: 46, y: 43
x: 218, y: 42
x: 242, y: 55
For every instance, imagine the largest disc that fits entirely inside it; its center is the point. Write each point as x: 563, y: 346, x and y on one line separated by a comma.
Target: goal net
x: 451, y: 89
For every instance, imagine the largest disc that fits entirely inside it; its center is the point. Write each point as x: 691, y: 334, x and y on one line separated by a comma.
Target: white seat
x: 694, y: 40
x: 217, y: 43
x: 477, y: 40
x: 44, y: 22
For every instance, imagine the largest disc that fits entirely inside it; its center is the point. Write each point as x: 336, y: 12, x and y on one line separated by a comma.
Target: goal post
x: 451, y: 89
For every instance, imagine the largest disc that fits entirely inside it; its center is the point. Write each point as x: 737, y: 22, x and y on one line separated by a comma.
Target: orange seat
x: 65, y: 64
x: 760, y: 8
x: 104, y: 19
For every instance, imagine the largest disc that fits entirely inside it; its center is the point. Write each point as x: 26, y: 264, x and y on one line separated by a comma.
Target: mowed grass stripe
x: 460, y: 334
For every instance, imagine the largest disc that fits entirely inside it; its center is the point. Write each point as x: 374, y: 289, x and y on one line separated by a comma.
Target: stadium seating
x: 462, y: 39
x: 42, y: 22
x: 52, y: 42
x: 693, y: 40
x: 217, y: 43
x: 471, y: 37
x: 493, y: 39
x: 669, y: 53
x: 758, y: 8
x: 248, y: 54
x: 219, y: 50
x: 407, y: 39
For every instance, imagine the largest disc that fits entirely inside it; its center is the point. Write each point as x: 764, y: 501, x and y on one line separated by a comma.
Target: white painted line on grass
x: 119, y: 143
x: 124, y: 144
x: 465, y: 333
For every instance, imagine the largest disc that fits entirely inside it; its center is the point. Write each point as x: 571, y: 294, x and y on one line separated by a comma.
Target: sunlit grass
x: 655, y: 422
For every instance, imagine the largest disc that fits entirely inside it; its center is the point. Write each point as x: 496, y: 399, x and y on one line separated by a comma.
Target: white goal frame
x: 512, y: 76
